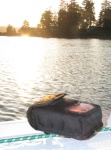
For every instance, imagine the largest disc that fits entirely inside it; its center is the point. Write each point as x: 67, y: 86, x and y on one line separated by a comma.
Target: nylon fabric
x: 58, y: 119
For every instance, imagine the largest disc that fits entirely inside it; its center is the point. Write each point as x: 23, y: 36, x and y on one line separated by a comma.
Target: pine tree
x: 105, y: 14
x: 88, y: 13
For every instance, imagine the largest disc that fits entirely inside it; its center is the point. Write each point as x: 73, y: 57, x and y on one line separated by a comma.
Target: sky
x: 14, y: 12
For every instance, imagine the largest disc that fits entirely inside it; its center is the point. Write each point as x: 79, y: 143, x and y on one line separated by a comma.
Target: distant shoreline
x: 93, y: 33
x: 60, y: 37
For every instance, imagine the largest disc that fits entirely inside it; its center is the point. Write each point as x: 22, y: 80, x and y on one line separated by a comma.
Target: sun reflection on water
x: 25, y: 35
x: 28, y: 60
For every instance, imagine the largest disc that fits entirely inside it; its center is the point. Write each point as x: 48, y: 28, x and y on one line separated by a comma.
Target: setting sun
x: 15, y: 12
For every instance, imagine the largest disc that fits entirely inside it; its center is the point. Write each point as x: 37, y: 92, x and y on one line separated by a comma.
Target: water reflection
x: 27, y: 62
x: 31, y: 68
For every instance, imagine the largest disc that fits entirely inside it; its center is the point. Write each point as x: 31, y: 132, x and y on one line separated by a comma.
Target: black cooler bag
x: 71, y: 118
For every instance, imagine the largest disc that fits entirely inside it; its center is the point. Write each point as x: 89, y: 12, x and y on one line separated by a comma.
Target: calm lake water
x: 31, y: 68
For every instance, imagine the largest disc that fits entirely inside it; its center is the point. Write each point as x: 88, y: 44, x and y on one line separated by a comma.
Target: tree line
x: 71, y: 20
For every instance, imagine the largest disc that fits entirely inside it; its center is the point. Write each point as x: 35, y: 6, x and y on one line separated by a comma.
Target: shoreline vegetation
x: 94, y: 32
x: 71, y: 21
